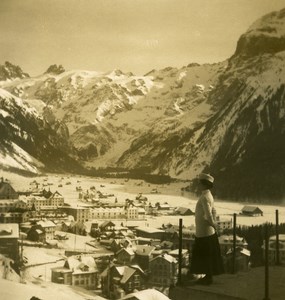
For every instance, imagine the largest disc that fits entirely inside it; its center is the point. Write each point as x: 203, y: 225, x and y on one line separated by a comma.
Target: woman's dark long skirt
x: 206, y: 256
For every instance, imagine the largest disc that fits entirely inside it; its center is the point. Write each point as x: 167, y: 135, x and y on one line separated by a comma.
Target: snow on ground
x: 44, y: 291
x: 6, y: 271
x: 18, y: 158
x: 123, y: 189
x: 36, y: 255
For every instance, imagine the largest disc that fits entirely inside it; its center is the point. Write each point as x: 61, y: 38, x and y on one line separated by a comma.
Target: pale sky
x: 131, y: 35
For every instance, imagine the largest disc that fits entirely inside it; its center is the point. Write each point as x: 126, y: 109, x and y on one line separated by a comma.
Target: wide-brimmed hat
x: 208, y: 177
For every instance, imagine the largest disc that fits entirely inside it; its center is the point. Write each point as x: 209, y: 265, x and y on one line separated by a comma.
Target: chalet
x: 7, y: 191
x: 37, y: 234
x: 242, y: 259
x: 117, y: 281
x: 125, y: 256
x: 163, y: 271
x: 184, y: 211
x: 185, y: 256
x: 78, y: 271
x: 272, y: 249
x: 226, y: 243
x: 143, y: 255
x: 253, y: 211
x: 9, y: 235
x: 49, y: 228
x: 118, y: 244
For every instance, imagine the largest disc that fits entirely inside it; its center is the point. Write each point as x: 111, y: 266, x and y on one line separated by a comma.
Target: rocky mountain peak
x: 266, y: 35
x: 55, y: 69
x: 10, y: 71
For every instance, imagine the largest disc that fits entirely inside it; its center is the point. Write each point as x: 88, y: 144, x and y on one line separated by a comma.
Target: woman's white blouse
x: 205, y: 215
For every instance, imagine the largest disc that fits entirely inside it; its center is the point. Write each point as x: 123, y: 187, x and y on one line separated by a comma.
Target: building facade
x: 78, y: 271
x: 163, y: 271
x: 9, y: 236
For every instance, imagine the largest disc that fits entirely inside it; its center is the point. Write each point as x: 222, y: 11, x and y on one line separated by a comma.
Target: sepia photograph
x: 142, y: 149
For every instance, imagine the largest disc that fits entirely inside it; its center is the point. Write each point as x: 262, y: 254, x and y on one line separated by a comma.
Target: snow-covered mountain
x: 9, y: 71
x: 106, y: 112
x: 29, y: 142
x: 225, y: 118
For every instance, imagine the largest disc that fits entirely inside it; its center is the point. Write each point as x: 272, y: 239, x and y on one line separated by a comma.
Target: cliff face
x: 266, y: 35
x: 250, y: 119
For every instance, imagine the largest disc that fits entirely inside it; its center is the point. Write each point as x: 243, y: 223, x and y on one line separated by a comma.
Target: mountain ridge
x: 225, y: 118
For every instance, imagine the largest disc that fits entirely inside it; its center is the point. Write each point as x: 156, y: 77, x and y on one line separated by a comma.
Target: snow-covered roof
x: 9, y: 230
x: 144, y: 250
x: 77, y: 263
x: 166, y: 257
x: 129, y: 250
x: 176, y: 251
x: 46, y: 224
x: 149, y: 229
x: 149, y: 294
x: 249, y: 208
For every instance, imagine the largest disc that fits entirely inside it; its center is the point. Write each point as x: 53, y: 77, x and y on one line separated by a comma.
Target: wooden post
x: 180, y: 253
x: 277, y: 261
x: 234, y: 242
x: 266, y: 269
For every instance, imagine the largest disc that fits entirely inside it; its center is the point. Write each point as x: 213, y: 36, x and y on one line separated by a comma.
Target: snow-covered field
x: 123, y: 189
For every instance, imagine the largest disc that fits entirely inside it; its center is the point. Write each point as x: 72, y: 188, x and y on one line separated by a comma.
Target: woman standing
x: 206, y: 255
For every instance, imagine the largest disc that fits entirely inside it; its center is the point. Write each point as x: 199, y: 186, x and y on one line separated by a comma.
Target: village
x: 105, y: 245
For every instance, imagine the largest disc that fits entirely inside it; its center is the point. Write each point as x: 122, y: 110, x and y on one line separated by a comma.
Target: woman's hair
x: 207, y: 184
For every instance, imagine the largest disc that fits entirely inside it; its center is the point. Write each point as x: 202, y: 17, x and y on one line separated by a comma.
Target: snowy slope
x: 28, y: 142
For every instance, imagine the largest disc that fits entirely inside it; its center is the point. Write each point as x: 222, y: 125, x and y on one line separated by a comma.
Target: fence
x: 266, y: 251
